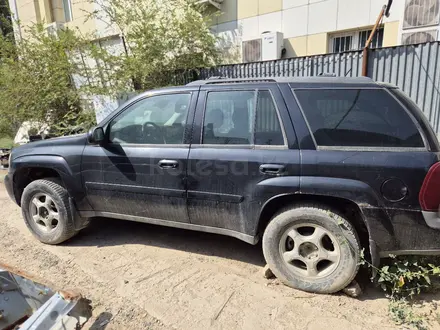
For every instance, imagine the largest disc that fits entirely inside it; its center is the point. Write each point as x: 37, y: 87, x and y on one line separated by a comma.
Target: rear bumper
x: 432, y: 219
x: 10, y: 187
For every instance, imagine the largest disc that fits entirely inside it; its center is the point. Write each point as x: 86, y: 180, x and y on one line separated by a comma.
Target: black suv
x: 319, y: 168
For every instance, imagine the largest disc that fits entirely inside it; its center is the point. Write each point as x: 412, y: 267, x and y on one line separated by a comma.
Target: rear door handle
x: 168, y: 164
x: 272, y: 169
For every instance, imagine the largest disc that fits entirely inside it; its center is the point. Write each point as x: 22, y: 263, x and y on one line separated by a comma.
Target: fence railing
x: 413, y: 68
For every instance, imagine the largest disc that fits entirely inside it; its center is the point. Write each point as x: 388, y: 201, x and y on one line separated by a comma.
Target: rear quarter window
x: 358, y: 118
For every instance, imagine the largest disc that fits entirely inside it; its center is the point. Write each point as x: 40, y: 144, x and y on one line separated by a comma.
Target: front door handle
x: 168, y: 164
x: 272, y: 169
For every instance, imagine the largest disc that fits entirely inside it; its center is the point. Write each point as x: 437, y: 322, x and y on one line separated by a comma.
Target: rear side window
x: 267, y: 125
x: 242, y: 118
x: 358, y: 118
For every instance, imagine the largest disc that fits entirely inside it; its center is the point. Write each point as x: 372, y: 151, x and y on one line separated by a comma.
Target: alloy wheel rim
x: 309, y: 250
x: 44, y: 212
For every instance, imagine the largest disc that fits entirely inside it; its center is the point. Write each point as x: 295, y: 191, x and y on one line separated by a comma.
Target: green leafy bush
x: 47, y: 78
x: 406, y: 276
x: 35, y: 78
x: 6, y: 142
x: 403, y: 278
x: 74, y: 123
x: 161, y: 38
x: 402, y: 314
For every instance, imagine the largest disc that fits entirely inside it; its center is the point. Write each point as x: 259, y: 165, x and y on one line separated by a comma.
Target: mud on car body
x: 318, y: 168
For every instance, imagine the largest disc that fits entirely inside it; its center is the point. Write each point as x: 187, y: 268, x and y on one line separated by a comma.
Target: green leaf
x: 385, y: 269
x: 427, y: 279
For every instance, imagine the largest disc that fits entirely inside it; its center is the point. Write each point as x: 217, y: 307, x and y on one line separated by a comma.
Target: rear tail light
x: 429, y: 196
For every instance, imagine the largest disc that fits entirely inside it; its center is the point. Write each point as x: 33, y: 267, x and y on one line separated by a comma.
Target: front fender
x: 68, y: 175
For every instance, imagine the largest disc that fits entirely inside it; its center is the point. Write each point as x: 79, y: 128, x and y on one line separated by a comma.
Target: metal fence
x: 416, y: 70
x: 413, y: 68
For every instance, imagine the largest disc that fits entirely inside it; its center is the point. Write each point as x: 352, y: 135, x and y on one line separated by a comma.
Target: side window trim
x: 277, y: 111
x: 304, y: 116
x: 244, y: 146
x: 359, y: 148
x: 108, y: 123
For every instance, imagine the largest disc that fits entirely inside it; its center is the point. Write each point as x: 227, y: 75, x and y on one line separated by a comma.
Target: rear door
x: 242, y: 139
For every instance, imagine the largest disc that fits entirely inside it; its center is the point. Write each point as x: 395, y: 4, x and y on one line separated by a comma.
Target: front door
x: 239, y: 151
x: 140, y: 170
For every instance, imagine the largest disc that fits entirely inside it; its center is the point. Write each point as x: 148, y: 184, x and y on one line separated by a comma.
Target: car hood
x: 49, y: 146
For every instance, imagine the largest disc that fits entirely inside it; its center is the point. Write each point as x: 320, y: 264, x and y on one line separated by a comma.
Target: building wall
x: 30, y: 12
x: 80, y: 20
x: 306, y: 24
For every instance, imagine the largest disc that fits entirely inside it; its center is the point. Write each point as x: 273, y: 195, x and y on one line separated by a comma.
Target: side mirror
x: 96, y: 135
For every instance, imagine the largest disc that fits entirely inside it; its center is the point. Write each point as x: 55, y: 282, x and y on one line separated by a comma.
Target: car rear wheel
x: 46, y: 211
x: 312, y: 248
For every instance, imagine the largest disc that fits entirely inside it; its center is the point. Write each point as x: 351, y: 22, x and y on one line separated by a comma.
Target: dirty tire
x: 295, y: 273
x: 65, y: 227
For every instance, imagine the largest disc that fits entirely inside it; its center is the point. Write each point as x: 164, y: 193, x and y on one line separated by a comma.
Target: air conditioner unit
x: 419, y: 37
x: 216, y: 3
x: 420, y: 13
x: 251, y: 50
x: 272, y: 45
x: 53, y: 28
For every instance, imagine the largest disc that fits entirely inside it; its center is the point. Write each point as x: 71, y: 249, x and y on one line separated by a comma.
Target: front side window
x: 241, y: 118
x: 158, y: 119
x: 358, y: 118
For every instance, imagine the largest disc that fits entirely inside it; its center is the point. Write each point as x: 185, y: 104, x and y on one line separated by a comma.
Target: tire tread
x: 338, y: 218
x: 57, y: 187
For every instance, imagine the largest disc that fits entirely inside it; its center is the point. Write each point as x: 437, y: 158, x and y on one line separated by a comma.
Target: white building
x: 311, y: 27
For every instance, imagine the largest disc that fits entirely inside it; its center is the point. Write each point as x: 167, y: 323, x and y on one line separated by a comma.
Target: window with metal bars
x: 375, y: 43
x: 342, y: 44
x: 354, y: 40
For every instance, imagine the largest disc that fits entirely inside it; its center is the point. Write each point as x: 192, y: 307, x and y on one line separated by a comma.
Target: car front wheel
x: 312, y: 248
x: 46, y: 211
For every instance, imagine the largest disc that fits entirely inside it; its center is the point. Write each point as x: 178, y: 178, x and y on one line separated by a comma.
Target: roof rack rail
x: 220, y: 80
x: 322, y: 78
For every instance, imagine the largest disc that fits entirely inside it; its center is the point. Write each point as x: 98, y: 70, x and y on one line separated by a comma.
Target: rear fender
x: 357, y: 192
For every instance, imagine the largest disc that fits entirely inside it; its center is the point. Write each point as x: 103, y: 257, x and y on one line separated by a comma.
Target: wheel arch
x: 348, y: 208
x: 30, y: 168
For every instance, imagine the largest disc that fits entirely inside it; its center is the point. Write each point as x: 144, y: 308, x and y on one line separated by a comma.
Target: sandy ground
x: 141, y: 276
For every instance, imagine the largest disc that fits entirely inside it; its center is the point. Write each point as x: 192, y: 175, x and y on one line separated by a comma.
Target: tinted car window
x: 228, y: 118
x: 155, y: 120
x: 233, y: 118
x: 362, y: 117
x: 267, y: 124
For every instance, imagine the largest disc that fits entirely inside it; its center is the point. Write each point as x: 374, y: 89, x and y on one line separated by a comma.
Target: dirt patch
x: 148, y: 277
x: 3, y: 173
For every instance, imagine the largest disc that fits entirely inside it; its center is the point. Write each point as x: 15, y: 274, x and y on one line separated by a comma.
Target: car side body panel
x: 384, y: 184
x: 64, y: 155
